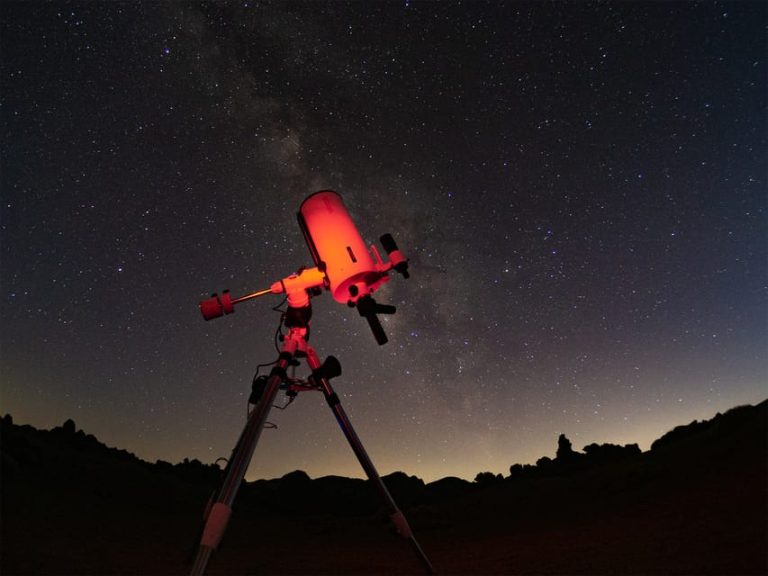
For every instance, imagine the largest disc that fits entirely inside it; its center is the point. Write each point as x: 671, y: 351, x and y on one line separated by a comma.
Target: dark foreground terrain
x: 696, y: 503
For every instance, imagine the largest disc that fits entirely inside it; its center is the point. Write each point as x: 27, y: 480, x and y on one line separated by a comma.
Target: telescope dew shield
x: 337, y: 246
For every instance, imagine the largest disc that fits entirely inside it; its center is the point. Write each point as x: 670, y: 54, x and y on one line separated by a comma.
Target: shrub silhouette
x: 521, y: 470
x: 488, y: 478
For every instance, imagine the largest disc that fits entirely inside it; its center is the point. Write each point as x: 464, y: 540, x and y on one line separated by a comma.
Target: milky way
x: 580, y: 188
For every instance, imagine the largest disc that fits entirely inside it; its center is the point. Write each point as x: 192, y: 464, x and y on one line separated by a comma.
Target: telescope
x: 344, y: 265
x: 351, y: 271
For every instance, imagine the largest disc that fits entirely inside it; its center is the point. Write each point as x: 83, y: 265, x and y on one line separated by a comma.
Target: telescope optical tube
x: 336, y: 246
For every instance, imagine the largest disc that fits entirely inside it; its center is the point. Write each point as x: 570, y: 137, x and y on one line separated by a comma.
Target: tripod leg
x: 219, y: 513
x: 395, y: 514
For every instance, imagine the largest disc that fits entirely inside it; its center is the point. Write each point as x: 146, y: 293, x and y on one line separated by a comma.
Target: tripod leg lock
x: 401, y: 524
x: 215, y: 525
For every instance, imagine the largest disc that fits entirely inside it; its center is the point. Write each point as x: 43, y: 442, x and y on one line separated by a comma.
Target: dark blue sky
x: 581, y: 189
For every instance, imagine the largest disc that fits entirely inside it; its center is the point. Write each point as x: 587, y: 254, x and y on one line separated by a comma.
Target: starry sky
x: 580, y: 188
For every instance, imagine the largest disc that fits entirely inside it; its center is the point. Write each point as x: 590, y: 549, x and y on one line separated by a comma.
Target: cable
x: 278, y: 333
x: 277, y: 308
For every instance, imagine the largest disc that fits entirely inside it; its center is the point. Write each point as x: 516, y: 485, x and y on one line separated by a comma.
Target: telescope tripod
x: 294, y: 347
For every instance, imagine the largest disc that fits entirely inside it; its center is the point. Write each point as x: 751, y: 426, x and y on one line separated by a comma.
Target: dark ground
x: 694, y: 504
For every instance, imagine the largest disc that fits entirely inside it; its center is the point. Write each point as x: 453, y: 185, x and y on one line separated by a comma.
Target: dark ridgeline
x: 567, y: 461
x: 694, y: 503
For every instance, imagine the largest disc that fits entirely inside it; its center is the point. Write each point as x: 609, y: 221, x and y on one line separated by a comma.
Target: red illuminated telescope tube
x: 343, y: 264
x: 338, y: 249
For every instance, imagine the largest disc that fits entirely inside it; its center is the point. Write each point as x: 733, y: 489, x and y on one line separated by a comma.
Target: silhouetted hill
x: 695, y: 503
x: 718, y: 435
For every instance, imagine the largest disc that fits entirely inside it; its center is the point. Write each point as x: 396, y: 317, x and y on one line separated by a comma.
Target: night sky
x: 580, y: 188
